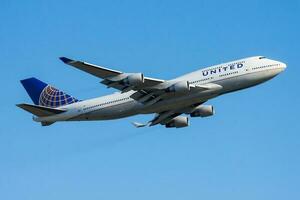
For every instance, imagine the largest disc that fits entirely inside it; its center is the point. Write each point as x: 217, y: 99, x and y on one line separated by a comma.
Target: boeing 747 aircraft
x: 168, y: 99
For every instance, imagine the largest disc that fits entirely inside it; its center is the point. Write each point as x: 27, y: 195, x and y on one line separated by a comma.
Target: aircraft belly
x: 178, y: 102
x: 114, y: 112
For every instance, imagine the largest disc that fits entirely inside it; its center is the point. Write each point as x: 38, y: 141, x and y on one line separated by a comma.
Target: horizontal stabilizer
x: 40, y: 111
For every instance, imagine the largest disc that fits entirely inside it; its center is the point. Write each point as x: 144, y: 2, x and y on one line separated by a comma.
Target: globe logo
x: 52, y: 97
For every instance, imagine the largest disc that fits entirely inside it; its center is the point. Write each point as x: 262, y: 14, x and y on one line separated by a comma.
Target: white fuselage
x: 232, y: 76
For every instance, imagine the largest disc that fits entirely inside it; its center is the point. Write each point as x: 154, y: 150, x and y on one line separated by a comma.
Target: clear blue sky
x: 249, y: 150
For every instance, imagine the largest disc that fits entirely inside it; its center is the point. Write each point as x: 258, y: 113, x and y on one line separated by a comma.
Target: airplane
x: 169, y: 100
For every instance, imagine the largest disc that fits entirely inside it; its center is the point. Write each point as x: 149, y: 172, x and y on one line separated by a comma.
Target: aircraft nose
x: 282, y: 66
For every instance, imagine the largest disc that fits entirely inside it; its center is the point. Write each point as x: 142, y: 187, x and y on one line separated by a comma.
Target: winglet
x: 66, y: 60
x: 139, y: 125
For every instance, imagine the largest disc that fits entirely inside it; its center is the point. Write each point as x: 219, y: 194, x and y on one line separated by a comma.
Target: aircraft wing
x: 113, y: 78
x: 165, y: 117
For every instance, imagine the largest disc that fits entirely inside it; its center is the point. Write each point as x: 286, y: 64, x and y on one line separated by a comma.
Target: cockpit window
x: 262, y: 57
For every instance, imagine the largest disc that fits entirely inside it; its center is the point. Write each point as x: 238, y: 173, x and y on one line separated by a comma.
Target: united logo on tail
x: 45, y: 95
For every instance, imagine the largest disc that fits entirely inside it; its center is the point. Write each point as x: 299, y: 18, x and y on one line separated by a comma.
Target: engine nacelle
x: 179, y: 87
x: 134, y: 79
x: 178, y: 122
x: 203, y: 111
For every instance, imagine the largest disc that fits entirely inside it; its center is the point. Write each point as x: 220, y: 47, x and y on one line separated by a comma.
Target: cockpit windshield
x: 262, y: 57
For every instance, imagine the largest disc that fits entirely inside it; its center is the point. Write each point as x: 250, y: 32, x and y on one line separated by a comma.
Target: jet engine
x: 203, y: 111
x: 179, y: 87
x: 134, y: 79
x: 178, y: 122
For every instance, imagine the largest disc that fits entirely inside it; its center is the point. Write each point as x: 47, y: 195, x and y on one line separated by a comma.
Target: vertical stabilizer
x: 45, y: 95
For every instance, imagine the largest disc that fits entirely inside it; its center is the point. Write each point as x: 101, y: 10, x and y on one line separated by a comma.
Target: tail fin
x: 45, y: 95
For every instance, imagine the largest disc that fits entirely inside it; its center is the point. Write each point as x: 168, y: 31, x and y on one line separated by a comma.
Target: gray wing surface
x: 111, y: 78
